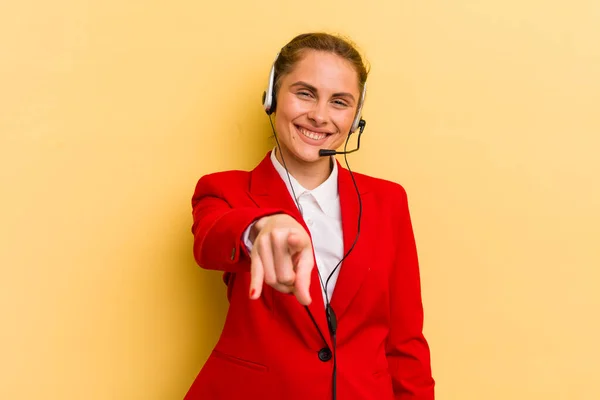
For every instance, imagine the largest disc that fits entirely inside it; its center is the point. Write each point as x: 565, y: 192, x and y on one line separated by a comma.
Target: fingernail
x: 252, y: 292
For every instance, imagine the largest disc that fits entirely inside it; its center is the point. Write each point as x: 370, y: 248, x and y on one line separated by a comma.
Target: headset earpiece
x: 268, y: 99
x: 361, y: 125
x: 358, y: 121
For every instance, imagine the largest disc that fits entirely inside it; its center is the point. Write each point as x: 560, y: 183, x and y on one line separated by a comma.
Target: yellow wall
x: 487, y: 112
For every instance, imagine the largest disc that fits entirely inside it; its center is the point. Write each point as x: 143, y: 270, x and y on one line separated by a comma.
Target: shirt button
x: 309, y: 222
x: 325, y: 354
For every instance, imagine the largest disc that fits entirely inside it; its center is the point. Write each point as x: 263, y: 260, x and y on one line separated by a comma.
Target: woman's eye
x: 340, y: 103
x: 304, y: 94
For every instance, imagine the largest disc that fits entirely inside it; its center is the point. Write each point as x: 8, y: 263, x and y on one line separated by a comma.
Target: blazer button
x: 325, y: 354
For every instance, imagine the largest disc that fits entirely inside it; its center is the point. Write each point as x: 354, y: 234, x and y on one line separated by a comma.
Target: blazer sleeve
x: 406, y: 348
x: 218, y: 227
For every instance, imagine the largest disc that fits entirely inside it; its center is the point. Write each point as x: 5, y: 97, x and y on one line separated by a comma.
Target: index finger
x: 284, y: 269
x: 303, y: 267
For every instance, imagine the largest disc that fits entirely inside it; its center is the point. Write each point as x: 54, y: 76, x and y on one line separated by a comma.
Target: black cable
x: 332, y: 322
x: 315, y: 324
x: 359, y: 218
x: 331, y: 317
x: 286, y: 169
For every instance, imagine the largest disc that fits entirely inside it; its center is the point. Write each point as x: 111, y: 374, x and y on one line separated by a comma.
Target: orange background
x: 487, y: 112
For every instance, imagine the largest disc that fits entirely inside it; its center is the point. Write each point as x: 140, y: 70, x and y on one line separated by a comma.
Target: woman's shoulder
x: 235, y: 178
x: 226, y: 176
x: 221, y: 181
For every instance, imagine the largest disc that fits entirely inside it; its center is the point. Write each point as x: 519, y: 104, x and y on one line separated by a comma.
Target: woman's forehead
x: 325, y: 71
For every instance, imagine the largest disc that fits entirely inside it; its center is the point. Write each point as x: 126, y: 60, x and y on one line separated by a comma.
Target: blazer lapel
x: 268, y: 190
x: 354, y: 268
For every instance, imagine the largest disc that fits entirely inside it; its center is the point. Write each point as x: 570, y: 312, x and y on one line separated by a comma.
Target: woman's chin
x: 310, y: 154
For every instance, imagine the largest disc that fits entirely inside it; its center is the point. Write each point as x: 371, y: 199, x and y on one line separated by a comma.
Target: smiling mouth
x: 311, y: 134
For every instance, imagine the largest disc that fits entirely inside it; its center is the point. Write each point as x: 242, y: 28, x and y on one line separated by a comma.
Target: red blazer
x: 269, y: 348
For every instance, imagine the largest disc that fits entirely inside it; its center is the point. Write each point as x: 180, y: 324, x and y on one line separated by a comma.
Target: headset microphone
x: 328, y: 152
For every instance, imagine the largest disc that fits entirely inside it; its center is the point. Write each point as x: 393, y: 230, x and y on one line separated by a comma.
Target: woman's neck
x: 309, y: 175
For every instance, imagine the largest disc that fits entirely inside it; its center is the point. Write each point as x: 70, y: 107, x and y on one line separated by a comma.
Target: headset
x: 269, y: 104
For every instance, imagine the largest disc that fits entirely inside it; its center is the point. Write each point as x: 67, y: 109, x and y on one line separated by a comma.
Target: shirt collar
x: 326, y: 194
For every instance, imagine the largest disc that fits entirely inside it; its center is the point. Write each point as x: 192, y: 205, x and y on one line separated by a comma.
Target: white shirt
x: 321, y: 211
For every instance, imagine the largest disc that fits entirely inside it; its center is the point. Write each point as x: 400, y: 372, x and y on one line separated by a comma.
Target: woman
x: 320, y: 265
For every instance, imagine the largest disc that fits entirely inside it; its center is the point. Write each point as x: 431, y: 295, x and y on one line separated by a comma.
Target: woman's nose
x: 318, y: 114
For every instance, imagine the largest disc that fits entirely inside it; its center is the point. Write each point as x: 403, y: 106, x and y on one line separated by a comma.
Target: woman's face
x: 316, y: 105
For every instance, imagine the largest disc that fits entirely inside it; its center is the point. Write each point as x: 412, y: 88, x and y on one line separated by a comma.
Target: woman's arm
x: 218, y: 227
x: 407, y: 350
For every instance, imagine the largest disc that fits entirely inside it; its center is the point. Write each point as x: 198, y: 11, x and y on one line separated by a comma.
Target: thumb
x: 297, y: 242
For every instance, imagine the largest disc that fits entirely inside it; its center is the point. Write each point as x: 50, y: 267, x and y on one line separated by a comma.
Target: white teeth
x: 311, y: 134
